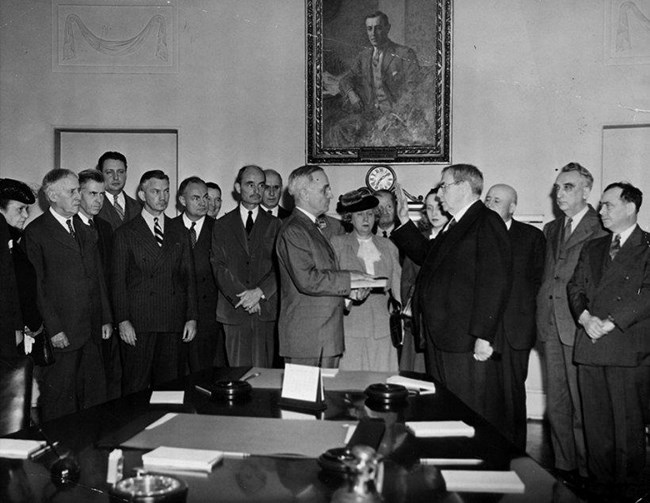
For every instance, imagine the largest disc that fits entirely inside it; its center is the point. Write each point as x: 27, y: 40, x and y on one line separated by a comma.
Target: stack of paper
x: 471, y: 481
x: 174, y: 458
x: 13, y: 448
x: 409, y: 383
x: 176, y: 397
x: 427, y: 429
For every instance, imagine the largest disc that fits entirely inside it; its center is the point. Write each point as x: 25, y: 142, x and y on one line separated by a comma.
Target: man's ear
x: 183, y: 201
x: 238, y: 187
x: 141, y: 195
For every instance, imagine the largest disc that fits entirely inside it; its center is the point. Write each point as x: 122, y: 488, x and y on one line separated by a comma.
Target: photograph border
x: 436, y: 152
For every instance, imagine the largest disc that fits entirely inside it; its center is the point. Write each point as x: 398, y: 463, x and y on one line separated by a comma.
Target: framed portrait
x: 378, y: 81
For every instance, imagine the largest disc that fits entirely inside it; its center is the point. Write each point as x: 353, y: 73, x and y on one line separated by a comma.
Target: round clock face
x: 380, y: 178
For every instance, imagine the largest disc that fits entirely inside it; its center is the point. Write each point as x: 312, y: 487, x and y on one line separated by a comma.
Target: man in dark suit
x: 246, y: 273
x: 609, y: 295
x: 313, y: 288
x: 565, y: 237
x: 214, y: 199
x: 72, y: 299
x: 207, y: 349
x: 120, y: 207
x: 387, y: 219
x: 154, y: 289
x: 273, y: 194
x: 91, y: 190
x: 516, y: 335
x: 462, y: 288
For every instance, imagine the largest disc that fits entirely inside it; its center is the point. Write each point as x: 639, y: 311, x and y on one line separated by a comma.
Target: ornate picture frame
x: 382, y: 96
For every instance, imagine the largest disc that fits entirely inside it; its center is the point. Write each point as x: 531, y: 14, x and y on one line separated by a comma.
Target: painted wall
x: 531, y: 92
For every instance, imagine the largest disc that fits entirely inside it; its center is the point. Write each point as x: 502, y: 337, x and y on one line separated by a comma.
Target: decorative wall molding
x: 627, y: 32
x: 137, y: 38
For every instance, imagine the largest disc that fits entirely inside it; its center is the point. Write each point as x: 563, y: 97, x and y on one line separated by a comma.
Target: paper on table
x: 424, y: 429
x: 409, y: 383
x: 162, y: 420
x: 301, y: 382
x: 168, y: 397
x: 477, y: 481
x: 181, y: 459
x: 13, y: 448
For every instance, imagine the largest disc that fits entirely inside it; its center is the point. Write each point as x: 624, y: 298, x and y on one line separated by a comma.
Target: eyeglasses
x: 444, y: 186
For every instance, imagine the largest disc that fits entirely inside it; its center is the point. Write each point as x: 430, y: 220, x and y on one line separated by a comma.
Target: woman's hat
x: 356, y: 200
x: 16, y: 191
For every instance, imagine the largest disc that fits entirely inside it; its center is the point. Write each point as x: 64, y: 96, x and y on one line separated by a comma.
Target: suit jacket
x: 560, y: 262
x: 243, y: 262
x: 72, y: 294
x: 371, y: 318
x: 283, y: 213
x: 312, y: 291
x: 153, y: 287
x: 205, y: 283
x: 464, y: 281
x: 399, y: 73
x: 518, y: 323
x: 620, y: 289
x: 108, y: 213
x: 11, y: 318
x: 104, y: 233
x: 26, y: 283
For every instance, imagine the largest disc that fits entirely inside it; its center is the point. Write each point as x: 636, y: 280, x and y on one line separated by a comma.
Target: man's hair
x: 186, y: 182
x: 380, y: 14
x: 301, y: 177
x: 467, y: 173
x: 90, y: 175
x: 116, y: 156
x: 241, y: 172
x: 212, y: 185
x: 51, y: 177
x: 581, y: 170
x: 629, y: 193
x: 148, y: 175
x: 268, y: 172
x: 384, y: 192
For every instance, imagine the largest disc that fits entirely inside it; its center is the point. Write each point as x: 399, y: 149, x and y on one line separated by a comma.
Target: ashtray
x: 384, y: 393
x: 149, y: 488
x: 334, y: 460
x: 230, y: 390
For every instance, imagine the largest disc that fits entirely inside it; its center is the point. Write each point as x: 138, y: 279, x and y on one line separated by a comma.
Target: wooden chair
x: 15, y: 394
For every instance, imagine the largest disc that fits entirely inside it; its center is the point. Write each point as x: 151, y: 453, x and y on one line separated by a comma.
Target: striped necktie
x: 118, y: 207
x: 193, y: 234
x: 157, y: 230
x: 615, y: 247
x: 70, y: 228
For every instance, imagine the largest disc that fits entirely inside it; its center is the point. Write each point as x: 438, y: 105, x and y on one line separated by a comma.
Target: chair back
x: 15, y: 394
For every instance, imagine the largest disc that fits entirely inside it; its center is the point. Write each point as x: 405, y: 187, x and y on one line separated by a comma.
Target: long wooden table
x: 89, y: 435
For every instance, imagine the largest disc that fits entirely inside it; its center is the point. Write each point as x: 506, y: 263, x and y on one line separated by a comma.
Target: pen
x: 252, y: 376
x: 202, y: 390
x: 43, y: 450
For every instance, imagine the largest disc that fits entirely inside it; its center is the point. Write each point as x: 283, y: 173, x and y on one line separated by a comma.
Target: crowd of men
x: 132, y: 298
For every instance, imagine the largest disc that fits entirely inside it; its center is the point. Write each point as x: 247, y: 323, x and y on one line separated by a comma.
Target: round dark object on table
x: 149, y: 488
x: 231, y: 390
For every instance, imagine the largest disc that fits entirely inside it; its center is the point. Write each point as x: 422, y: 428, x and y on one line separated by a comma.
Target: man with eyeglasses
x: 556, y: 328
x: 461, y: 289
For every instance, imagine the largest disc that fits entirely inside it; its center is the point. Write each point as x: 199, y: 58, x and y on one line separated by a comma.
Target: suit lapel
x: 59, y: 233
x: 315, y: 233
x: 584, y: 229
x: 628, y: 253
x: 146, y: 238
x: 238, y: 228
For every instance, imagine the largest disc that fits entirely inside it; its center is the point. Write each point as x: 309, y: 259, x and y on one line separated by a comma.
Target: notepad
x: 428, y: 429
x: 175, y: 458
x: 13, y: 448
x: 409, y: 383
x: 478, y: 481
x: 176, y: 397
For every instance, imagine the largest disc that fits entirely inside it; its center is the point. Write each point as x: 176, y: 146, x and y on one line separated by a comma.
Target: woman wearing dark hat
x: 18, y: 291
x: 366, y: 327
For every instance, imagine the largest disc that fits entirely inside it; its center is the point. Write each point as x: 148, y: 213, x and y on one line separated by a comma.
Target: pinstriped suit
x: 155, y: 289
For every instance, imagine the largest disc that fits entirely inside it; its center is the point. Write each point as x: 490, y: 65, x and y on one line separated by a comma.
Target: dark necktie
x: 70, y: 228
x: 451, y: 223
x: 118, y: 207
x: 615, y: 247
x: 385, y: 234
x: 567, y: 230
x: 157, y: 230
x: 249, y: 222
x: 91, y: 224
x: 193, y: 234
x: 271, y: 212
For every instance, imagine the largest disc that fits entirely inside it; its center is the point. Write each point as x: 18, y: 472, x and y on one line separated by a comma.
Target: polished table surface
x: 91, y: 434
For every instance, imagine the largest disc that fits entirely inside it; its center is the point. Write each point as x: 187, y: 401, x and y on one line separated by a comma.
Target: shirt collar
x: 61, y: 219
x: 311, y: 217
x: 270, y: 211
x: 459, y: 214
x: 120, y: 199
x: 149, y: 219
x: 198, y: 223
x: 508, y: 223
x: 625, y: 234
x: 243, y: 212
x: 577, y: 218
x: 86, y: 220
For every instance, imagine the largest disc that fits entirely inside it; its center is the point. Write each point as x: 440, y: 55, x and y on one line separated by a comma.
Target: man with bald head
x: 72, y: 298
x: 516, y: 334
x: 273, y: 194
x: 244, y: 267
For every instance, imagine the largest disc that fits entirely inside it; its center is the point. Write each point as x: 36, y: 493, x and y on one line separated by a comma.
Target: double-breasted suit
x: 460, y: 295
x: 154, y: 288
x: 614, y: 370
x: 208, y: 343
x: 517, y: 333
x: 556, y: 331
x: 312, y: 291
x: 109, y: 213
x: 241, y: 262
x: 72, y: 298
